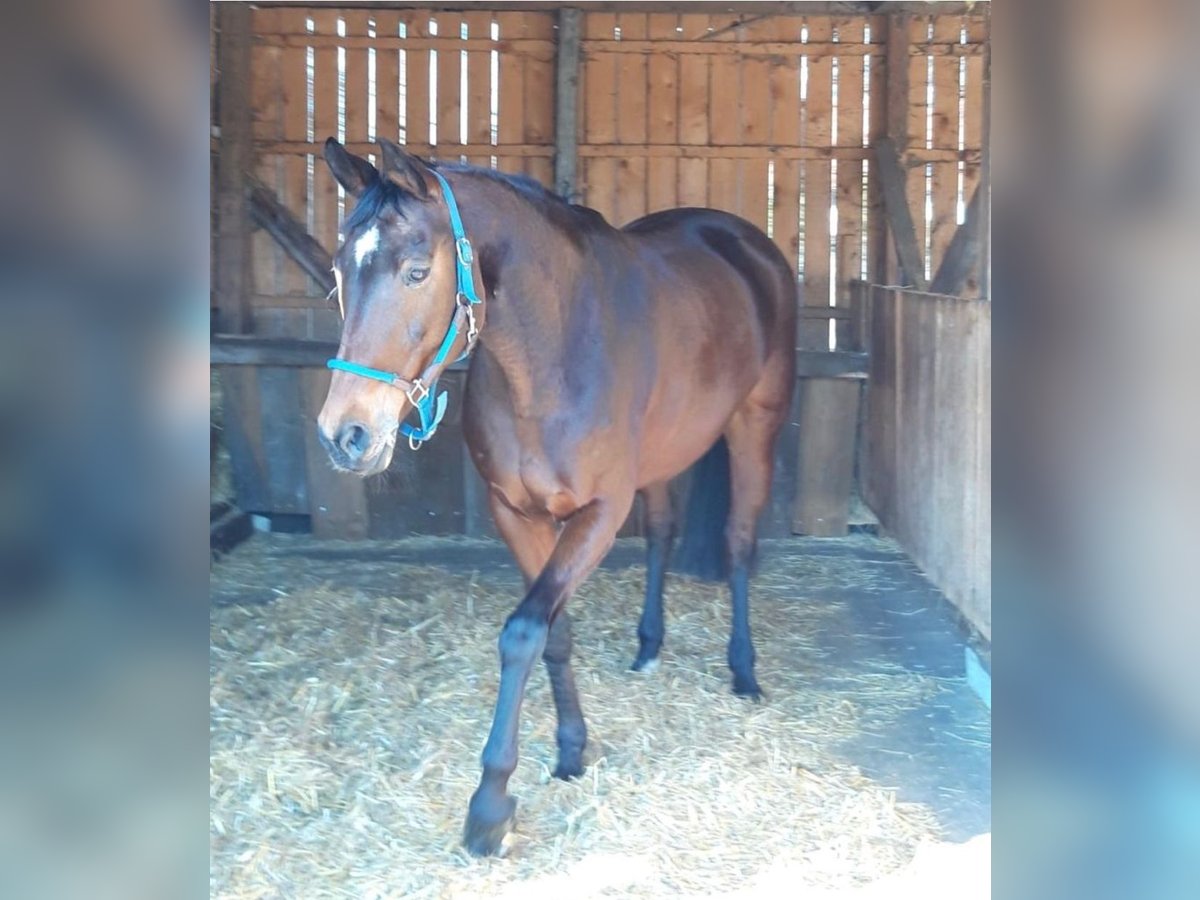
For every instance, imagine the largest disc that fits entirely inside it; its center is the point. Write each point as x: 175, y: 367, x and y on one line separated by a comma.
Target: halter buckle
x: 416, y: 394
x: 414, y: 443
x: 465, y: 254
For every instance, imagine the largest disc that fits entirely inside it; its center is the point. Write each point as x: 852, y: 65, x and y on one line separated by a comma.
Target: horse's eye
x: 416, y: 275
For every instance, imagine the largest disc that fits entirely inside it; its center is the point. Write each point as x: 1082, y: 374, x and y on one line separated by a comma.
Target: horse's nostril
x: 353, y: 440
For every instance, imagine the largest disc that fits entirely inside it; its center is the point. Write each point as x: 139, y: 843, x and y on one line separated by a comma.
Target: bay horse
x: 606, y: 361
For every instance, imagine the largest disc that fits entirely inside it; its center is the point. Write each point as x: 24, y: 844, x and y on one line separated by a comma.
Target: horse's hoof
x: 486, y: 827
x: 647, y: 666
x: 568, y: 771
x: 747, y: 687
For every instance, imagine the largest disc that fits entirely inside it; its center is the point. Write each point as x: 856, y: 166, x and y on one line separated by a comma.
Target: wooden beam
x: 831, y: 364
x: 235, y: 160
x: 566, y: 101
x: 895, y: 202
x: 964, y: 251
x: 268, y: 213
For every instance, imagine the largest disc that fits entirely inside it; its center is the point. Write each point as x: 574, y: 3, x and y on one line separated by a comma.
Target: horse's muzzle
x: 352, y: 448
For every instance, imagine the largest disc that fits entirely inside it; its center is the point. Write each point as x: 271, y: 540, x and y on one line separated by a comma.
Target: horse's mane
x: 383, y: 193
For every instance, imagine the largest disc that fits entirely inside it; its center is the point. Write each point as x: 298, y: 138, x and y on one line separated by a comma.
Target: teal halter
x: 430, y: 408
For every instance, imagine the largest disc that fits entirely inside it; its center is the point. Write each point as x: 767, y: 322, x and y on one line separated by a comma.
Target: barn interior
x: 354, y: 622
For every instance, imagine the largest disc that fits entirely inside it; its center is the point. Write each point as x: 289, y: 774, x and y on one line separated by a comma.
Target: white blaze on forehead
x: 366, y: 244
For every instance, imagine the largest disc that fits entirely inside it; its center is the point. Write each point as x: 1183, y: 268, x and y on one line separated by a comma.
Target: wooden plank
x: 566, y: 102
x: 818, y: 105
x: 266, y: 104
x: 786, y: 232
x: 288, y: 233
x: 283, y: 440
x: 944, y: 189
x: 724, y: 185
x: 387, y: 77
x: 831, y: 364
x: 417, y: 128
x: 242, y: 435
x: 356, y: 97
x: 539, y: 94
x: 662, y: 184
x: 294, y: 187
x: 325, y: 118
x: 631, y: 97
x: 693, y: 98
x: 849, y: 185
x: 828, y: 410
x: 963, y: 255
x: 600, y: 186
x: 693, y: 182
x: 479, y: 89
x: 233, y: 243
x: 725, y: 101
x: 449, y: 86
x: 630, y: 191
x: 511, y: 124
x: 600, y: 98
x: 919, y: 135
x: 900, y: 221
x: 753, y: 199
x: 337, y: 500
x: 817, y: 188
x: 877, y: 238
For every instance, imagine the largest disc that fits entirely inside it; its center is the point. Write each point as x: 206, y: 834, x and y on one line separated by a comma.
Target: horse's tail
x: 702, y: 552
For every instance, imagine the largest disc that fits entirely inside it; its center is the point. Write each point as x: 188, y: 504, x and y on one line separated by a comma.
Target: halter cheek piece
x: 421, y: 390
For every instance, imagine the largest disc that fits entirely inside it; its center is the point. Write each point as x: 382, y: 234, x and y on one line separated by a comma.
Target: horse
x: 604, y: 362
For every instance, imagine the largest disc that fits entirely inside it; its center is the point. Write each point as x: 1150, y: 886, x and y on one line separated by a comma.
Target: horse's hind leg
x: 751, y: 436
x: 660, y: 534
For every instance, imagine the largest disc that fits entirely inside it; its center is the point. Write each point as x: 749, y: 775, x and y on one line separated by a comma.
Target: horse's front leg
x: 584, y: 540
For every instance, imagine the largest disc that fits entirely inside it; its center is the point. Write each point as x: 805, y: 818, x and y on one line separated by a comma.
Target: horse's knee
x: 522, y: 640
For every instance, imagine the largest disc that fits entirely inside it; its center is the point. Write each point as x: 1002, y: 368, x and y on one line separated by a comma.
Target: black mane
x: 382, y: 193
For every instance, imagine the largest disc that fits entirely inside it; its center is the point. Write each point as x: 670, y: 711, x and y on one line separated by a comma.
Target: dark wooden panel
x: 242, y: 436
x: 828, y: 416
x: 283, y: 439
x: 337, y: 500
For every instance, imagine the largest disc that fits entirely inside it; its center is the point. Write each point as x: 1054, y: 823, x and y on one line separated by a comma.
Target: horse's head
x: 396, y: 288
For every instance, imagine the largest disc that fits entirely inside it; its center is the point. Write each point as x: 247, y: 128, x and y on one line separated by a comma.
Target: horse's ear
x: 352, y: 172
x: 405, y: 170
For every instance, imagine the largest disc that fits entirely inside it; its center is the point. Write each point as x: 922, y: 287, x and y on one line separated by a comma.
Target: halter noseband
x: 420, y: 391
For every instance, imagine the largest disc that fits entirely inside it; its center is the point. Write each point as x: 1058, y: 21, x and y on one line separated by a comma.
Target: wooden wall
x: 927, y: 437
x: 768, y: 115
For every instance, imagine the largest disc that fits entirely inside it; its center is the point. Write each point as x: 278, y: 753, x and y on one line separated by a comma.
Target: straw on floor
x: 346, y: 725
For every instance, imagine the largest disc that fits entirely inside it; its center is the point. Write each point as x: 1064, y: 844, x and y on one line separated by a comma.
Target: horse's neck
x: 528, y: 275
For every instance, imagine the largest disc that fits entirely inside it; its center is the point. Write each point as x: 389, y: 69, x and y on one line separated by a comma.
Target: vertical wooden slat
x: 724, y: 184
x: 877, y: 128
x: 630, y: 201
x: 849, y: 188
x: 814, y: 334
x: 973, y: 108
x: 357, y: 99
x: 294, y: 189
x: 787, y: 209
x: 600, y: 113
x: 693, y: 181
x: 387, y: 78
x: 944, y: 219
x: 233, y: 246
x: 662, y: 174
x: 918, y: 132
x: 511, y: 125
x: 693, y: 84
x: 539, y: 91
x: 325, y: 118
x: 266, y: 105
x: 479, y: 90
x: 449, y: 86
x: 416, y: 101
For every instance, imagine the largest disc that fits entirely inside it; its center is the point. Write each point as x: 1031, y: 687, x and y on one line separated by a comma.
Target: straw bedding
x: 346, y: 725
